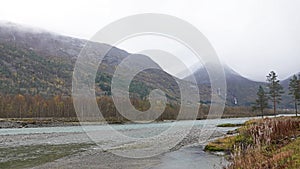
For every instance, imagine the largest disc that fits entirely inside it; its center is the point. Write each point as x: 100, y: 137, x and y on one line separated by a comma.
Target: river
x: 189, y: 153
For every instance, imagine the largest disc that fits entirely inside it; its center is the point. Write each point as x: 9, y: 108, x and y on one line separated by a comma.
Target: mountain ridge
x: 241, y: 91
x: 42, y: 62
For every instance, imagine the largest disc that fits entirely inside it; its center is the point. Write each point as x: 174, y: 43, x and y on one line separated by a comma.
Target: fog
x: 251, y: 36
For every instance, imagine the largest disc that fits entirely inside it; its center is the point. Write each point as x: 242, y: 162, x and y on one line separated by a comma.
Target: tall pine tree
x: 261, y: 101
x: 275, y: 90
x: 294, y: 88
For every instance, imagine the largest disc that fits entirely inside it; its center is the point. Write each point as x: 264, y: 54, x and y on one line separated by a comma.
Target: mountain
x: 35, y: 61
x: 285, y: 83
x: 288, y: 99
x: 240, y: 90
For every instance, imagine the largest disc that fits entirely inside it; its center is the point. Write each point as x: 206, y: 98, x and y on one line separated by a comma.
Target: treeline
x: 61, y: 106
x: 28, y: 106
x: 37, y: 106
x: 274, y: 91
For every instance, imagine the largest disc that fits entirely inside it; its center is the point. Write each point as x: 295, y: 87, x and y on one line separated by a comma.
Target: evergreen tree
x: 261, y: 101
x: 294, y: 88
x: 275, y: 89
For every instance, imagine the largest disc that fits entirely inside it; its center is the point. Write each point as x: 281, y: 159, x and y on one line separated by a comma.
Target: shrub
x: 261, y: 144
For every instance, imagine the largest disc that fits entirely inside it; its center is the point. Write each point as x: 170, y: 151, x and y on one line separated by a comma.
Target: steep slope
x: 35, y: 61
x: 240, y: 90
x: 38, y: 62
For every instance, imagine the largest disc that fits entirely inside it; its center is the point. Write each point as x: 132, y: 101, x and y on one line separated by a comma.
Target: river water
x: 190, y: 156
x: 76, y: 129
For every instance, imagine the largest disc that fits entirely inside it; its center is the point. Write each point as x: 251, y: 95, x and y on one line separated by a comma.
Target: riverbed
x: 113, y: 151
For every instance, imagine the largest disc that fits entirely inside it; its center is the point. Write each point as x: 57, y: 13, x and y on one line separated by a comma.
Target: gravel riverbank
x: 29, y: 123
x: 94, y: 157
x: 103, y: 155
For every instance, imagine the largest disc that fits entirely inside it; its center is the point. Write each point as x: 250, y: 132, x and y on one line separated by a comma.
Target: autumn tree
x: 294, y: 88
x: 2, y: 106
x: 20, y: 102
x: 261, y: 101
x: 275, y: 89
x: 38, y: 101
x: 59, y: 104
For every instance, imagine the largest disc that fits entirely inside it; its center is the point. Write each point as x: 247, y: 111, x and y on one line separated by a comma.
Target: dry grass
x: 267, y: 143
x: 222, y: 144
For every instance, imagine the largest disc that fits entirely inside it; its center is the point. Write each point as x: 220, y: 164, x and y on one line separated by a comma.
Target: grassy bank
x: 263, y: 143
x: 229, y: 125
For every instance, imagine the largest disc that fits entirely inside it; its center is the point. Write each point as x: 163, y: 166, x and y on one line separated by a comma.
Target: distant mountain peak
x: 202, y: 74
x: 240, y: 90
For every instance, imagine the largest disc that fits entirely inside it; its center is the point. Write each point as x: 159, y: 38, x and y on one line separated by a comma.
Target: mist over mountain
x: 240, y: 90
x: 39, y: 62
x: 34, y: 61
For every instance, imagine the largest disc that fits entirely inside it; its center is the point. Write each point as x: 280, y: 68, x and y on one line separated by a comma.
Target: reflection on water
x: 191, y: 158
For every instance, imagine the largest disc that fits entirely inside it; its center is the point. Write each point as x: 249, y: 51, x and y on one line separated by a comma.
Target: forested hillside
x: 36, y: 69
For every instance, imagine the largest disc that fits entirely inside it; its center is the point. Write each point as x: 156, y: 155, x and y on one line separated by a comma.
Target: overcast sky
x: 251, y: 36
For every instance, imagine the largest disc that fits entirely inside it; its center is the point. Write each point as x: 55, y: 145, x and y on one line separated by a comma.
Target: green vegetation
x: 261, y: 102
x: 293, y: 150
x: 222, y: 144
x: 30, y: 156
x: 140, y: 88
x: 263, y: 143
x: 275, y: 89
x: 294, y: 88
x: 23, y: 71
x: 36, y: 82
x: 229, y: 125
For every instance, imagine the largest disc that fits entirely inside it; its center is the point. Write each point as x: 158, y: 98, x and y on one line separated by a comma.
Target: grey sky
x: 251, y: 36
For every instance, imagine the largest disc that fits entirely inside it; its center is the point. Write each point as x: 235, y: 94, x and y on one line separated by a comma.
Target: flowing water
x: 154, y: 126
x: 191, y: 157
